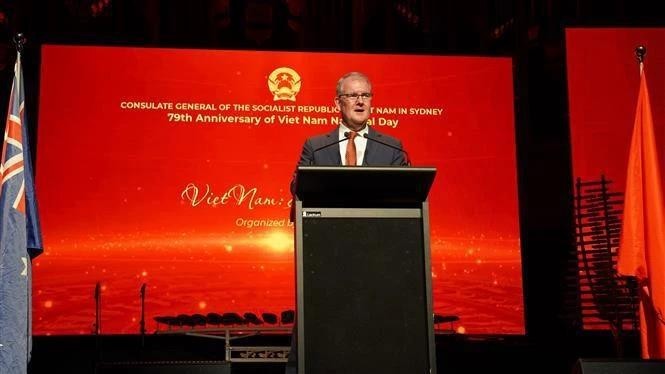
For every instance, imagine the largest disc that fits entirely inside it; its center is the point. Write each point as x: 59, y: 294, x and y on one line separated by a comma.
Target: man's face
x: 355, y: 111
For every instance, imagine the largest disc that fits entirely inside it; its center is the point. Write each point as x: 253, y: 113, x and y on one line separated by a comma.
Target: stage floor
x: 455, y: 353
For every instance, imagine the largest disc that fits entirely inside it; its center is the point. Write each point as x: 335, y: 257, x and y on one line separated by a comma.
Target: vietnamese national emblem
x: 284, y: 84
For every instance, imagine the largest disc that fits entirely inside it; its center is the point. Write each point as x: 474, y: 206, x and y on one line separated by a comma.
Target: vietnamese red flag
x: 642, y: 246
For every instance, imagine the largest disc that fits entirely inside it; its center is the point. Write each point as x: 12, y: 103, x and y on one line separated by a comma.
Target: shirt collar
x: 343, y: 129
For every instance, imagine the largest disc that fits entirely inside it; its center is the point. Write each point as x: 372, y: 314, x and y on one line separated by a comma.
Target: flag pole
x: 642, y: 244
x: 19, y: 41
x: 640, y: 52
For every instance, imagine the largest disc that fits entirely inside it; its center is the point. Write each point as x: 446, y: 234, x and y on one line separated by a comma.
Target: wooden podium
x: 363, y: 271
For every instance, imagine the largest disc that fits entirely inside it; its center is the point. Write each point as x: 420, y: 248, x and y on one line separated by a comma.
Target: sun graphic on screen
x: 277, y: 241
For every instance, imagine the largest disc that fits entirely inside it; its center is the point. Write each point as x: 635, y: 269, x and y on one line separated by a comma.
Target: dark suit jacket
x: 376, y: 154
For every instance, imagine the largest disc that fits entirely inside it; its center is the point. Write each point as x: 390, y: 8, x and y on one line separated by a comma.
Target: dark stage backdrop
x: 171, y: 167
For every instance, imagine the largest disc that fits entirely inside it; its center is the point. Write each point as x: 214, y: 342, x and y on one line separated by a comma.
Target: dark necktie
x: 351, y: 150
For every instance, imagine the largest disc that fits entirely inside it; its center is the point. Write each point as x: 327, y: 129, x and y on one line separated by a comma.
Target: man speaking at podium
x: 353, y: 142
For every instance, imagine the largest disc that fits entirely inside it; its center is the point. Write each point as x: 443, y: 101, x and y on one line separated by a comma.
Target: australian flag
x: 20, y: 236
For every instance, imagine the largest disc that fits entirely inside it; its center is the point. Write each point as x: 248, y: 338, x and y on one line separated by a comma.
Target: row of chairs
x: 286, y: 317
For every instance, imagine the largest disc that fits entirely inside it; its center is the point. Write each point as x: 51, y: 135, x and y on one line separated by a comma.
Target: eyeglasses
x: 355, y: 96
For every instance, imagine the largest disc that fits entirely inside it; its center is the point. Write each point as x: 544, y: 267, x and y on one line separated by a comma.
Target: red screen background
x: 603, y: 83
x: 111, y: 180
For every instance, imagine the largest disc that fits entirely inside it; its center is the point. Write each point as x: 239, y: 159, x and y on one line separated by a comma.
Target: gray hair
x: 354, y: 75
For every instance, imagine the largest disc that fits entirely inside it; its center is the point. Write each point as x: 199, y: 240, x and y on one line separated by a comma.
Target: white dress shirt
x: 360, y: 141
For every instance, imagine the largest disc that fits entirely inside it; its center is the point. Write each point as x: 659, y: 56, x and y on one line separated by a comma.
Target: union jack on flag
x: 20, y: 236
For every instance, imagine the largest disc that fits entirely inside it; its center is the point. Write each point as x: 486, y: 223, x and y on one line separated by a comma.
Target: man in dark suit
x: 347, y: 145
x: 354, y: 101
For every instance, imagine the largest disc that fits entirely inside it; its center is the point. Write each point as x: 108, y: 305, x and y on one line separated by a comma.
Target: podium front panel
x: 363, y: 282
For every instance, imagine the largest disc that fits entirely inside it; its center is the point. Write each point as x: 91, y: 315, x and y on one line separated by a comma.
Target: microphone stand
x: 97, y: 328
x: 142, y: 323
x: 346, y: 137
x: 406, y: 155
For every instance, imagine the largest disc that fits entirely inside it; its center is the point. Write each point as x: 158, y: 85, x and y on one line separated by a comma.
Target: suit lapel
x: 332, y: 152
x: 369, y: 148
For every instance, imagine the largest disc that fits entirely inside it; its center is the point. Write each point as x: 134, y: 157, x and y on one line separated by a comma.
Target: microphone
x: 142, y: 322
x: 406, y: 155
x: 98, y: 309
x: 346, y: 137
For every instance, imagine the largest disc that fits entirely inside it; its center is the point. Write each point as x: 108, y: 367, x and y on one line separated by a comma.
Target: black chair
x: 214, y: 319
x: 288, y: 317
x: 232, y: 319
x: 169, y: 321
x: 185, y: 320
x: 269, y: 318
x: 198, y: 319
x: 252, y: 319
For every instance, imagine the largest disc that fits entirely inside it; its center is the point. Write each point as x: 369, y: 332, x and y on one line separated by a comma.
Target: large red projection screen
x: 171, y: 168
